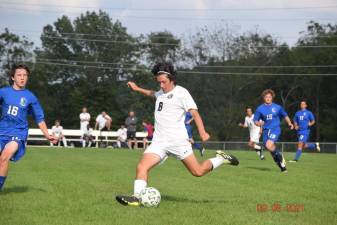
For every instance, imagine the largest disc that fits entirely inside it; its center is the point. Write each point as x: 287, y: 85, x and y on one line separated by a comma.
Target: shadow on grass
x: 19, y: 189
x: 181, y: 199
x: 259, y: 168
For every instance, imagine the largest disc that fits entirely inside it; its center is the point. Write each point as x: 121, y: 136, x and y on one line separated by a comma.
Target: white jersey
x: 101, y: 120
x: 169, y: 115
x: 84, y: 121
x: 249, y: 122
x: 122, y: 134
x: 57, y: 131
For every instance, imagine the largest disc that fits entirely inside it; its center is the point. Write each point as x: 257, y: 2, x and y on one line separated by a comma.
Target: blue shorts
x: 4, y: 140
x: 189, y: 131
x: 271, y: 134
x: 303, y: 136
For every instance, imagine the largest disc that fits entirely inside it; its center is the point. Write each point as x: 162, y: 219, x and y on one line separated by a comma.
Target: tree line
x: 87, y: 62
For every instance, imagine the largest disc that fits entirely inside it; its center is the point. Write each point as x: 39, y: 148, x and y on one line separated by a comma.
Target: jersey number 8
x: 13, y: 110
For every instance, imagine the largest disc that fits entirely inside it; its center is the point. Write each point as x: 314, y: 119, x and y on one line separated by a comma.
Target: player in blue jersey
x: 189, y: 129
x: 16, y: 104
x: 303, y: 120
x: 268, y: 117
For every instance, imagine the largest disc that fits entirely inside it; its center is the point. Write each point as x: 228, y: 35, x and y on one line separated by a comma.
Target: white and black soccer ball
x: 150, y: 197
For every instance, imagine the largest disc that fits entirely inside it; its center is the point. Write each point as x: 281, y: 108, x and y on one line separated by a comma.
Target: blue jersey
x: 302, y: 119
x: 188, y: 116
x: 16, y: 105
x: 270, y: 115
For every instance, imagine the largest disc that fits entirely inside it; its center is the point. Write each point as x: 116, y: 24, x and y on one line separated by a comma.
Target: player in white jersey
x: 57, y: 131
x: 254, y: 132
x: 84, y: 120
x: 170, y: 136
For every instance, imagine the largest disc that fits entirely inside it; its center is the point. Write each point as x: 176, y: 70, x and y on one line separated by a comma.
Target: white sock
x: 216, y: 162
x: 138, y: 186
x: 257, y: 147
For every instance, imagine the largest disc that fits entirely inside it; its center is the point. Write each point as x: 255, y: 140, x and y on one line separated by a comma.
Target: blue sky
x: 276, y: 17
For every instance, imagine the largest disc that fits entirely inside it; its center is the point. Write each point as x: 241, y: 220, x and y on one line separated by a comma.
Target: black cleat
x: 128, y: 200
x: 229, y: 159
x: 284, y: 170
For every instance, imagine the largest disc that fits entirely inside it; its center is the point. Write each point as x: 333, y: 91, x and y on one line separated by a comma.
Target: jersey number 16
x: 13, y: 110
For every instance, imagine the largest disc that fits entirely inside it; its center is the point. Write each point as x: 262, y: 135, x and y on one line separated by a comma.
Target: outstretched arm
x: 143, y: 91
x: 200, y: 125
x: 43, y: 127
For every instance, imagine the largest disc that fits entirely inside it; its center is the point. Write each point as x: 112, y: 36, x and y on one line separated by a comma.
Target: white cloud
x: 62, y: 6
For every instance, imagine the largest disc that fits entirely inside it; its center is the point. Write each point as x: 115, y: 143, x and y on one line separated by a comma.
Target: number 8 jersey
x: 170, y: 113
x: 16, y: 105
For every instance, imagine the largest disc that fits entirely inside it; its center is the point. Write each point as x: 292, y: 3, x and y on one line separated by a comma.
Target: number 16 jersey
x: 16, y: 105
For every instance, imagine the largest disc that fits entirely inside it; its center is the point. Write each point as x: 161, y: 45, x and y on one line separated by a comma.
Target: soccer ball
x: 150, y: 197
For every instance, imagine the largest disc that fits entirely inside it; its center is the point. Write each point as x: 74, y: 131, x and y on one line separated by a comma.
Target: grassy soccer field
x: 76, y: 186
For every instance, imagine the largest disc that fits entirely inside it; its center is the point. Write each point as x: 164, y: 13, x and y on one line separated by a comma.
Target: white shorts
x: 178, y: 150
x: 255, y: 136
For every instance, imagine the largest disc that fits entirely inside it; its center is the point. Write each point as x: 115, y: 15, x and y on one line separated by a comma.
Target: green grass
x: 76, y: 186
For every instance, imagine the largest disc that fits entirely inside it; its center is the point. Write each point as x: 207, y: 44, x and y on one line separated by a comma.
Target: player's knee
x: 197, y: 173
x: 4, y: 159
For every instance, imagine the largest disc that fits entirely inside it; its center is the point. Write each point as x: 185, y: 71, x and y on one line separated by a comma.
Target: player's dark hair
x: 13, y: 70
x: 165, y: 68
x: 268, y: 91
x: 19, y: 66
x: 249, y: 107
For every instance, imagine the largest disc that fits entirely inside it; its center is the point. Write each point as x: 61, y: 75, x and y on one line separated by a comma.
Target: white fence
x: 35, y: 137
x: 109, y: 137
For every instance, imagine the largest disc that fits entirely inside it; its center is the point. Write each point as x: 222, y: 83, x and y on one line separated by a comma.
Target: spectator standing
x: 148, y: 127
x: 84, y: 120
x: 131, y: 125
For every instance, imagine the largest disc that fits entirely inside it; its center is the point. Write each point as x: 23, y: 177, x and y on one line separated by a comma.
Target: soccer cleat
x: 128, y: 200
x: 318, y: 147
x: 229, y: 159
x: 284, y: 170
x: 202, y: 151
x: 262, y: 157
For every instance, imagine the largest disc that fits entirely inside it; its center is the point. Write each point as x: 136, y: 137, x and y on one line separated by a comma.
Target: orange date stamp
x: 277, y: 207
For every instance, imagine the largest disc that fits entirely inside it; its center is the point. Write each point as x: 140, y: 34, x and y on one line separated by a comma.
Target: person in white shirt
x: 84, y: 120
x: 103, y: 122
x: 87, y: 137
x: 254, y: 132
x: 57, y: 131
x: 170, y: 136
x: 121, y: 136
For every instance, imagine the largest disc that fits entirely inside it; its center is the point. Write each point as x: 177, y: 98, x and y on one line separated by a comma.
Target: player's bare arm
x: 242, y: 125
x: 43, y: 127
x: 288, y: 121
x: 200, y: 125
x: 311, y: 123
x: 259, y: 123
x: 143, y: 91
